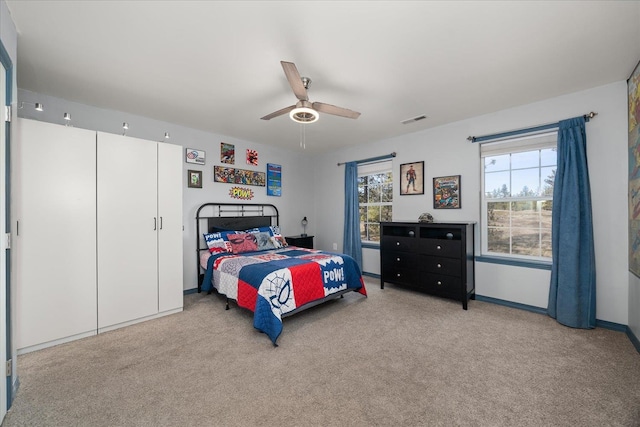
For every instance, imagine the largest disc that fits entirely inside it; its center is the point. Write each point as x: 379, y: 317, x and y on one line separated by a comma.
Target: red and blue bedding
x: 272, y: 283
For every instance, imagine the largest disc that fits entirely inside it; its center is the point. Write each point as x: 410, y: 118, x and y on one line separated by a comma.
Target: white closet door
x: 127, y: 229
x: 54, y: 180
x: 170, y: 274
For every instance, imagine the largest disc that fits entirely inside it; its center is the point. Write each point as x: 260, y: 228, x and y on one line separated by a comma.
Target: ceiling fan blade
x: 336, y: 111
x: 278, y: 113
x: 295, y: 81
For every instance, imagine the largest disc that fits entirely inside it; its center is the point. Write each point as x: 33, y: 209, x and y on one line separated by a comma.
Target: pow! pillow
x: 218, y: 242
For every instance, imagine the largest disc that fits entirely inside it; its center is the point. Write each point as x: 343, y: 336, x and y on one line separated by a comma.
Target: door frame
x: 7, y: 64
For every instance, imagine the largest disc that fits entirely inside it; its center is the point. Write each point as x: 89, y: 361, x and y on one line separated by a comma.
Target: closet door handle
x: 160, y: 223
x: 155, y: 223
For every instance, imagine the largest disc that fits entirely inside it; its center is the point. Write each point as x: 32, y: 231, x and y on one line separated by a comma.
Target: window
x: 375, y: 189
x: 517, y: 196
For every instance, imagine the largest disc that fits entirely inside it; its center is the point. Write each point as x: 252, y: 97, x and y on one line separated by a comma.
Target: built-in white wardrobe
x: 98, y: 232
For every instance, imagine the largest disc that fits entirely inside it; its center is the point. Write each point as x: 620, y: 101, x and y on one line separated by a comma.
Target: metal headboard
x: 230, y: 216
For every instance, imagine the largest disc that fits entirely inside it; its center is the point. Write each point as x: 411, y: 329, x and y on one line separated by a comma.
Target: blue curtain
x: 572, y: 294
x: 351, y: 244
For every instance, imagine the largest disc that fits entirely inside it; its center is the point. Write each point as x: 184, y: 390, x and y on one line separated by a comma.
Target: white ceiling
x: 215, y: 66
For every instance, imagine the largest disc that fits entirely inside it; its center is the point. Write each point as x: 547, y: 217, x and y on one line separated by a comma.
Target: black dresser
x: 436, y: 258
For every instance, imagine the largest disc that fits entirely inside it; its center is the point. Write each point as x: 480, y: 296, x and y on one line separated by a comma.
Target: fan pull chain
x: 303, y: 137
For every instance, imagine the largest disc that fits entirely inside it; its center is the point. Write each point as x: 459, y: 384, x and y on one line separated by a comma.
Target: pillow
x: 266, y: 229
x: 279, y: 241
x: 218, y: 242
x: 264, y: 241
x: 276, y: 237
x: 243, y: 242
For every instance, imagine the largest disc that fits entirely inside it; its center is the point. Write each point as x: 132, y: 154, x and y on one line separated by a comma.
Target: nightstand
x: 300, y: 241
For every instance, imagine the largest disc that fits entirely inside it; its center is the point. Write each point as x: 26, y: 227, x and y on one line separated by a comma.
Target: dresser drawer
x: 393, y: 243
x: 405, y: 260
x: 441, y: 284
x: 440, y: 265
x: 403, y: 276
x: 441, y: 247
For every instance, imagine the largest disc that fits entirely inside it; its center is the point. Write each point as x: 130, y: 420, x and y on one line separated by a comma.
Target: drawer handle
x: 439, y: 265
x: 438, y: 247
x: 397, y: 259
x: 439, y: 283
x: 397, y: 243
x: 398, y: 275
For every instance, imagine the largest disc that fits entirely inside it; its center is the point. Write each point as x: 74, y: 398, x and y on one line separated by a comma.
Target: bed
x: 242, y: 256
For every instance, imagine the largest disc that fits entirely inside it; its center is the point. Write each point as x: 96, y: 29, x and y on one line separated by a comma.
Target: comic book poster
x: 252, y: 157
x: 239, y: 176
x: 274, y: 180
x: 446, y: 192
x: 227, y: 153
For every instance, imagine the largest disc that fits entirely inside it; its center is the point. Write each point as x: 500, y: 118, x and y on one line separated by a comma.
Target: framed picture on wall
x: 195, y: 156
x: 412, y: 178
x: 446, y: 192
x: 194, y: 179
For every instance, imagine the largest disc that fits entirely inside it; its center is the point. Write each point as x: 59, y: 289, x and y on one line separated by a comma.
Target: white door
x: 170, y: 274
x: 54, y: 179
x: 127, y: 229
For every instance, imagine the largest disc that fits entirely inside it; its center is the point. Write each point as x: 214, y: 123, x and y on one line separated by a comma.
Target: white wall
x: 297, y: 196
x: 446, y: 151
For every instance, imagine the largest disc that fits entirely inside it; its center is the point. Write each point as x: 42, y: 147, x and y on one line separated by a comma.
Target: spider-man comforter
x: 275, y: 282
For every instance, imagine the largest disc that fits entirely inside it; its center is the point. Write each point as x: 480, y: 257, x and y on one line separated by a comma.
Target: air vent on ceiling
x: 414, y: 119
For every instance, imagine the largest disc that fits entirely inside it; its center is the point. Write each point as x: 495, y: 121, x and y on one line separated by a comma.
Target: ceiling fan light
x: 304, y: 115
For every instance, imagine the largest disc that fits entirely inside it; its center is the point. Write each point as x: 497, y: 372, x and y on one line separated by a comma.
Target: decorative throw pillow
x: 265, y: 229
x: 263, y: 240
x: 277, y: 239
x: 218, y: 242
x: 243, y: 242
x: 279, y: 242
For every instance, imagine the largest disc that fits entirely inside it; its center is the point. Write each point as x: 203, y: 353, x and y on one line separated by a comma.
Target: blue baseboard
x: 512, y: 304
x: 634, y: 340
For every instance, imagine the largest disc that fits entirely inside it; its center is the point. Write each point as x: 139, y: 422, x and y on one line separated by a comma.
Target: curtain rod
x: 371, y: 159
x: 587, y: 117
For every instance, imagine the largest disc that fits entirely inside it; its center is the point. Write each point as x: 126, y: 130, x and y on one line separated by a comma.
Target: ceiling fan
x: 304, y: 111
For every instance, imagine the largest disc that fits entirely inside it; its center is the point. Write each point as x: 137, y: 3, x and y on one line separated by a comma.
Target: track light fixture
x: 38, y: 106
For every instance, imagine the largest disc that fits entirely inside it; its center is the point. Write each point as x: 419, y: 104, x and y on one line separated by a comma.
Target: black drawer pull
x: 398, y: 275
x: 439, y: 265
x: 397, y: 259
x: 397, y: 243
x: 439, y: 283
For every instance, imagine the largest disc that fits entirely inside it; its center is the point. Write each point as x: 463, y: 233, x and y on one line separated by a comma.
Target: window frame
x: 368, y: 169
x: 513, y: 145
